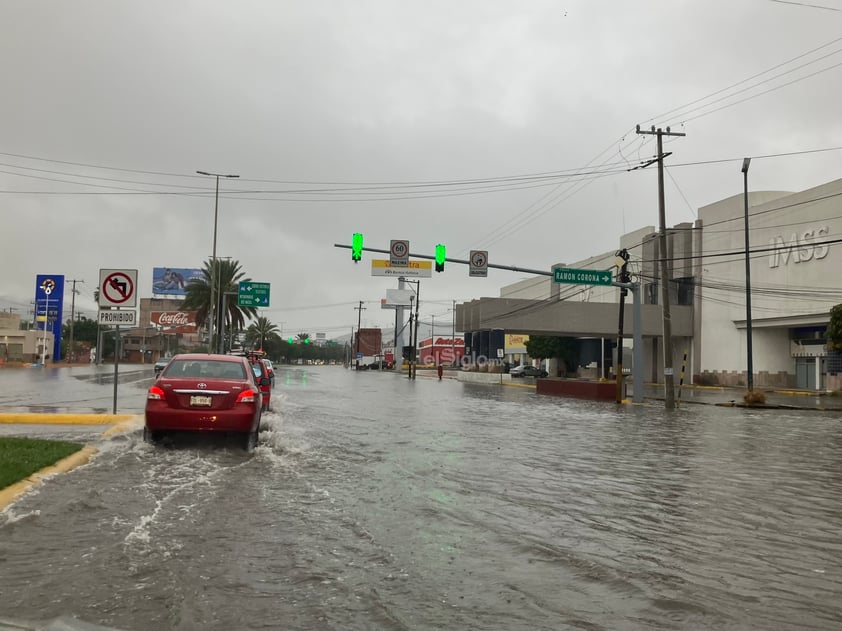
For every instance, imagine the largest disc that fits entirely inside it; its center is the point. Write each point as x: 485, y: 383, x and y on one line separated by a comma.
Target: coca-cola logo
x: 174, y: 318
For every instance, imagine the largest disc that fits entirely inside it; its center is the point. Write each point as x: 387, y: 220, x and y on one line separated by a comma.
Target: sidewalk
x: 775, y: 399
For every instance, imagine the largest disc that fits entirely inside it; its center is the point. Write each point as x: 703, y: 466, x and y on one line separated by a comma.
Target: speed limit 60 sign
x: 117, y: 288
x: 399, y: 253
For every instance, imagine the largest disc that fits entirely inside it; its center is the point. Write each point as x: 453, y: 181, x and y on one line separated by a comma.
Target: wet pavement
x: 375, y: 502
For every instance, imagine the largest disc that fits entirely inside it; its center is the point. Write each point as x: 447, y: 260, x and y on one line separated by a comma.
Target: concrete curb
x: 64, y: 419
x: 121, y: 424
x: 11, y: 493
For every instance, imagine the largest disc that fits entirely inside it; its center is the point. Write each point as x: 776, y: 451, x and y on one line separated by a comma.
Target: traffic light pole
x: 510, y: 268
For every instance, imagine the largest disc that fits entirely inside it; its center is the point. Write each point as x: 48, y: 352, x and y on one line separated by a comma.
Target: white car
x: 527, y: 371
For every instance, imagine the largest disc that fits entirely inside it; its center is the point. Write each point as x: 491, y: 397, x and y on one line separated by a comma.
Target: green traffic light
x: 357, y: 247
x: 290, y: 340
x: 441, y: 257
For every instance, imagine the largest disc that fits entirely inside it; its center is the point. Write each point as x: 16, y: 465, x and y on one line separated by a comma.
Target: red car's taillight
x: 155, y: 393
x: 246, y: 396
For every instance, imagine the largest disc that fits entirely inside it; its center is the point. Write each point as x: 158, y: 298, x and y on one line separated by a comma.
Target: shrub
x: 754, y: 397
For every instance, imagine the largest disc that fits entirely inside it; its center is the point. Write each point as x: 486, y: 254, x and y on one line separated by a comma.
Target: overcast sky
x: 487, y: 125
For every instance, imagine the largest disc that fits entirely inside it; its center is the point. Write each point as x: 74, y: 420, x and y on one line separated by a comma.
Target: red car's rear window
x: 205, y: 368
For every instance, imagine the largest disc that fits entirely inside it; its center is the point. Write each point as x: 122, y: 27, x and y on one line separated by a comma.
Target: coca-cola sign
x: 182, y: 321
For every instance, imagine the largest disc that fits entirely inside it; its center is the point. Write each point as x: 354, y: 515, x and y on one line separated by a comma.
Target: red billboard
x: 174, y: 321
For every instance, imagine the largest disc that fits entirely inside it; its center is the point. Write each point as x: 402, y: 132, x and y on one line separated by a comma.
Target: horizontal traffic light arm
x: 510, y: 268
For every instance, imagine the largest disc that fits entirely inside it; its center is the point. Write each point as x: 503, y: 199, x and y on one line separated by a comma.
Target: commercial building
x: 795, y: 276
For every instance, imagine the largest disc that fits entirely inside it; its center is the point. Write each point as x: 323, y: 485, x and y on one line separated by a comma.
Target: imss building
x: 795, y: 259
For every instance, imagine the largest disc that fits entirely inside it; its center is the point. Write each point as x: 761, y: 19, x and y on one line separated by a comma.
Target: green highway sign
x: 251, y: 294
x: 581, y: 276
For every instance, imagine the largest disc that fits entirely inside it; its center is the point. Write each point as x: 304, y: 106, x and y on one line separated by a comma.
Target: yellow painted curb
x: 123, y: 427
x: 64, y: 419
x: 11, y: 493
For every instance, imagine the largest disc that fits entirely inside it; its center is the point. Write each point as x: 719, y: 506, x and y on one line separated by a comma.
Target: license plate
x: 199, y: 400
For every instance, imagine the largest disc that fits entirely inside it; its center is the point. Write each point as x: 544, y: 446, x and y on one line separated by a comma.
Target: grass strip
x: 21, y: 457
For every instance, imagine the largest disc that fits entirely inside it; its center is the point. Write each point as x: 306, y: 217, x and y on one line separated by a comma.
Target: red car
x: 205, y: 393
x: 263, y: 377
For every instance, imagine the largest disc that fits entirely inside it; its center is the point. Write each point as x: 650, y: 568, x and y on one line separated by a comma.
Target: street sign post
x: 478, y: 262
x: 572, y: 276
x: 251, y: 294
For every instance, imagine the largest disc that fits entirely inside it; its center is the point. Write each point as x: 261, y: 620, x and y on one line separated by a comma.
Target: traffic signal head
x: 290, y: 340
x: 357, y: 247
x: 441, y: 257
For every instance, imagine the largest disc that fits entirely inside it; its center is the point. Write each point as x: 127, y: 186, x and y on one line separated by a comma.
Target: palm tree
x: 261, y: 330
x: 227, y: 275
x: 303, y: 338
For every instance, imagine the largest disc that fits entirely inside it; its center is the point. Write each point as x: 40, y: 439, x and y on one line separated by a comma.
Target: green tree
x: 565, y: 349
x: 225, y: 275
x: 834, y: 329
x: 260, y: 331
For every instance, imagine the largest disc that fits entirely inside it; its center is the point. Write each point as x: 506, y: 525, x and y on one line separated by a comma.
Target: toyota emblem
x: 202, y: 385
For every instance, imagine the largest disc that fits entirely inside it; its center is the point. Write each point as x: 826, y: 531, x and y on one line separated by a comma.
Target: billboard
x: 49, y: 299
x: 174, y: 321
x: 173, y: 281
x: 368, y: 342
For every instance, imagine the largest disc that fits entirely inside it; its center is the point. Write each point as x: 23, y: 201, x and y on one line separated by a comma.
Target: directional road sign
x: 478, y: 262
x: 572, y: 276
x: 251, y: 294
x: 117, y: 287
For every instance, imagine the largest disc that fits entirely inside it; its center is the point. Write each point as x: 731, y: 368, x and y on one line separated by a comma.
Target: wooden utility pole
x: 669, y: 381
x: 359, y: 321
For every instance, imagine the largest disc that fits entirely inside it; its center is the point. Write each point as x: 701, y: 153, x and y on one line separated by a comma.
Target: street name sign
x: 251, y: 294
x: 413, y: 269
x: 572, y: 276
x: 118, y: 317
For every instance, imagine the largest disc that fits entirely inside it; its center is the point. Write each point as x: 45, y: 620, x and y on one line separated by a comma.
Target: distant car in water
x: 160, y: 365
x: 271, y: 368
x: 205, y: 393
x: 527, y: 371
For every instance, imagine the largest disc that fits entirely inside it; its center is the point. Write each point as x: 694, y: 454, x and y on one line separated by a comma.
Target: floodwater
x: 375, y: 502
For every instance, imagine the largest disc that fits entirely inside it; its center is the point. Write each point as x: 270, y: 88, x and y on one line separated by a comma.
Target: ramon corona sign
x: 581, y: 276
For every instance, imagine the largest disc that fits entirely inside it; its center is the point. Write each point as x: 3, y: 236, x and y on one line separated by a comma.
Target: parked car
x: 271, y: 369
x: 160, y: 365
x: 205, y: 393
x: 527, y: 371
x: 261, y: 375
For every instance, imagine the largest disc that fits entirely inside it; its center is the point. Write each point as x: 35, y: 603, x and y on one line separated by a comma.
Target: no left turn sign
x: 117, y: 287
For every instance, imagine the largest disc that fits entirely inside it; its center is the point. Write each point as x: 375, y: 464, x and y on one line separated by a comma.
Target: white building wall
x: 798, y: 280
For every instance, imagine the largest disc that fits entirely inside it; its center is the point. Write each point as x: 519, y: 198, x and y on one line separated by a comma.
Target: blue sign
x: 173, y: 281
x: 49, y: 301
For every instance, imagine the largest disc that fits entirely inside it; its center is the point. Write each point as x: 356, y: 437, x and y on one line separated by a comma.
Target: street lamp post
x: 214, y: 270
x: 750, y: 364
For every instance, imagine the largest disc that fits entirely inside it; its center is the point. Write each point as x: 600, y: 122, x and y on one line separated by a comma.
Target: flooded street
x: 375, y: 502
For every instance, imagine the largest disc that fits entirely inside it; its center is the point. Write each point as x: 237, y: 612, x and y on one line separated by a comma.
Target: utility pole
x: 622, y: 257
x: 669, y: 387
x: 72, y: 317
x: 360, y: 310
